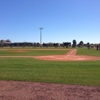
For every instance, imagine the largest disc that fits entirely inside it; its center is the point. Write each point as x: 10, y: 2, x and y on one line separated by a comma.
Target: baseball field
x: 79, y: 67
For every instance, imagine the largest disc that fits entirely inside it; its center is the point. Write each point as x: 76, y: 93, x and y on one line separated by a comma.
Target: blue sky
x: 62, y: 20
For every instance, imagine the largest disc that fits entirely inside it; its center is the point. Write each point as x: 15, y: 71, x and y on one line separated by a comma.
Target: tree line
x: 8, y: 43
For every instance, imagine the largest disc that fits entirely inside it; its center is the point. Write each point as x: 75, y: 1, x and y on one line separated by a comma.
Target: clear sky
x: 62, y: 20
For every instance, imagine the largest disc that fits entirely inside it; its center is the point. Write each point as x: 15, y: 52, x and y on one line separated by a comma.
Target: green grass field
x: 90, y: 52
x: 29, y: 69
x: 31, y: 52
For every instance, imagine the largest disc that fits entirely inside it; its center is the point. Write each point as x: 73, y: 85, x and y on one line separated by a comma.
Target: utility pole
x: 41, y: 35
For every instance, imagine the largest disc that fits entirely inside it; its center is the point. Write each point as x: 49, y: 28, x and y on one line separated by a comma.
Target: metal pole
x: 41, y: 36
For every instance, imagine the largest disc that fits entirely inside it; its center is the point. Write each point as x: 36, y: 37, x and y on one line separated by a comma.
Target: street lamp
x: 41, y: 35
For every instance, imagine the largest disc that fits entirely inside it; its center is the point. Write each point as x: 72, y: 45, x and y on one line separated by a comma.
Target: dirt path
x: 12, y: 90
x: 71, y: 52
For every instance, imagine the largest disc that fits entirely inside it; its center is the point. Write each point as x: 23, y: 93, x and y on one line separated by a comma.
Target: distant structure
x: 40, y: 35
x: 5, y: 41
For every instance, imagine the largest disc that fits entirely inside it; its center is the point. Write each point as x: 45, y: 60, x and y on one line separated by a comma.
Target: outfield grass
x: 90, y: 52
x: 27, y: 69
x: 31, y: 52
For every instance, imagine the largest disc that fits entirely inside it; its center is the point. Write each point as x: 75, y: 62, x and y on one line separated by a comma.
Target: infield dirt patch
x: 70, y: 56
x: 13, y: 90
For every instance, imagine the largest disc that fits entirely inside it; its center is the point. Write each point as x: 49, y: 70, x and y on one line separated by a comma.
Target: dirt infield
x: 70, y: 56
x: 12, y: 90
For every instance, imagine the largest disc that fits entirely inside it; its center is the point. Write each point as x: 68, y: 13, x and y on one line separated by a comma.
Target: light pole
x: 41, y: 35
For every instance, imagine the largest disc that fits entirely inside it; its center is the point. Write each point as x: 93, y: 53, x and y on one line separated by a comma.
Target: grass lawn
x: 90, y: 52
x: 27, y: 69
x: 31, y: 52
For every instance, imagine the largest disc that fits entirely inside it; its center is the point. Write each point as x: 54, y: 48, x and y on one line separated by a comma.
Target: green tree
x: 74, y: 43
x: 81, y: 43
x: 88, y: 45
